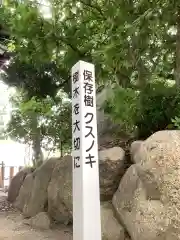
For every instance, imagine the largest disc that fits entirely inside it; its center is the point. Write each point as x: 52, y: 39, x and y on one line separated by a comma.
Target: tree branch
x: 98, y: 9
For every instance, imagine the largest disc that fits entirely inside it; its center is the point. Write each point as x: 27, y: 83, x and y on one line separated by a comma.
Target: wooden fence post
x: 11, y: 174
x: 2, y: 175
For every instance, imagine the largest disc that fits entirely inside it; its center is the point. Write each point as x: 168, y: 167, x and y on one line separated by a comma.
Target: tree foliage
x: 128, y: 41
x: 131, y: 43
x: 155, y: 107
x: 42, y: 124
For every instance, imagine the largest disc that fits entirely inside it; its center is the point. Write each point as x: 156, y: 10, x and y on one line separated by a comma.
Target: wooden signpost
x: 86, y: 193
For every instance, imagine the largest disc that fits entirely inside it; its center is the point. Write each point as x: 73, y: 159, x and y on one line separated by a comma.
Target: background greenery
x: 135, y: 46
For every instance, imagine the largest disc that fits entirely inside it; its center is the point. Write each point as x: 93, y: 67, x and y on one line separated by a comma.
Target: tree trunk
x: 177, y: 69
x: 36, y: 143
x: 142, y: 74
x: 37, y: 152
x: 61, y: 149
x: 122, y: 80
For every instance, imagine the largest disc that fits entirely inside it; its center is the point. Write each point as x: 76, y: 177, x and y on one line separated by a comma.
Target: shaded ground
x: 13, y: 228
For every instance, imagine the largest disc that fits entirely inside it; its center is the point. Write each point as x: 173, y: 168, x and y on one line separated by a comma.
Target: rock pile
x: 138, y: 203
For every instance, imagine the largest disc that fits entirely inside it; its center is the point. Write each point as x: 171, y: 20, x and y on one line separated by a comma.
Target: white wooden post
x: 86, y: 194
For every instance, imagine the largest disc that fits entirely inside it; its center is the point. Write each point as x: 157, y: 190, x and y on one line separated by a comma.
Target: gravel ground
x: 13, y: 228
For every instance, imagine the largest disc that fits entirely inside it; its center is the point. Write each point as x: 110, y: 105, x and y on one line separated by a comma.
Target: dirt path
x: 12, y: 228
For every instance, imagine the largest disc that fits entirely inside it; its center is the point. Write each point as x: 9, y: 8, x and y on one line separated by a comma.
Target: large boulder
x: 111, y: 164
x: 147, y: 200
x: 60, y: 191
x: 140, y: 216
x: 16, y: 183
x: 135, y: 146
x: 33, y: 195
x: 111, y: 228
x: 24, y: 193
x: 112, y: 168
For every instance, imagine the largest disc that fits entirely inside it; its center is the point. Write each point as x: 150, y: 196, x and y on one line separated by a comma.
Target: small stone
x: 26, y: 221
x: 40, y: 221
